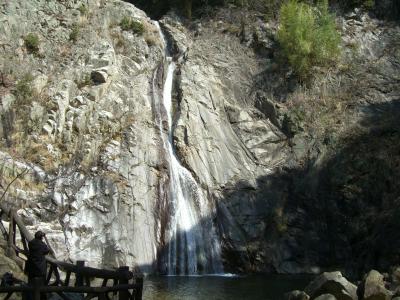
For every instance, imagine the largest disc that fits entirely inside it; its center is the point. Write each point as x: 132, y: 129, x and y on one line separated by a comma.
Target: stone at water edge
x: 332, y: 283
x: 373, y: 287
x: 326, y: 297
x: 396, y: 276
x: 296, y: 295
x: 9, y: 265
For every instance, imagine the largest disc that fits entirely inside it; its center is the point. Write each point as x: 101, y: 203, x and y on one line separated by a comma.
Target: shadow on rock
x: 337, y: 211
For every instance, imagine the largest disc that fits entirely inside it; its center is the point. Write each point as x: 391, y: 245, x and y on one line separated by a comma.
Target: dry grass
x: 151, y: 35
x: 323, y: 108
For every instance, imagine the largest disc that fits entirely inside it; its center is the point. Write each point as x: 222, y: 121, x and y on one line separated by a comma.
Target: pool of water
x: 265, y: 287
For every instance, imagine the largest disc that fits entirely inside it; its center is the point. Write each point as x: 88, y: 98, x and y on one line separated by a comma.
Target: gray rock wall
x: 83, y: 124
x: 97, y: 139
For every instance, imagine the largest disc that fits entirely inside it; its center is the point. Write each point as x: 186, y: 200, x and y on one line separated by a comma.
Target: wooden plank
x: 139, y: 291
x: 87, y: 281
x: 102, y: 296
x: 10, y: 244
x: 79, y: 275
x: 67, y: 277
x: 87, y: 289
x: 123, y: 294
x: 63, y: 296
x: 18, y: 220
x: 24, y: 244
x: 89, y: 271
x: 70, y: 289
x: 14, y: 230
x: 2, y: 228
x: 8, y: 296
x: 16, y: 288
x: 104, y: 282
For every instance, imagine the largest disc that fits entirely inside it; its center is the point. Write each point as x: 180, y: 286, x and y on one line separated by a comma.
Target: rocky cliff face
x: 86, y: 132
x: 77, y: 112
x: 280, y: 159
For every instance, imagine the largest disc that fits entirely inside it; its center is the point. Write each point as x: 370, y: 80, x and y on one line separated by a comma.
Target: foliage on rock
x: 129, y: 24
x: 73, y: 36
x: 32, y: 43
x: 23, y: 90
x: 308, y: 36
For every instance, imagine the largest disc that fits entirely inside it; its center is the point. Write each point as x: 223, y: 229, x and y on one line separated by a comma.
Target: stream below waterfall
x: 265, y: 287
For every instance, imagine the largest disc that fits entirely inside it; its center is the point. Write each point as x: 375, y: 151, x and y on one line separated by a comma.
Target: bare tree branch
x: 22, y: 173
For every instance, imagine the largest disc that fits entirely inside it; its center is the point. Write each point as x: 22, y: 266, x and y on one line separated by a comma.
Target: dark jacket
x: 36, y: 264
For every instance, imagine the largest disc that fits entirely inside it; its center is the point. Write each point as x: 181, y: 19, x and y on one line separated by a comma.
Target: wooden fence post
x: 123, y: 294
x: 10, y: 244
x: 102, y: 296
x: 78, y: 275
x: 37, y: 284
x: 139, y: 291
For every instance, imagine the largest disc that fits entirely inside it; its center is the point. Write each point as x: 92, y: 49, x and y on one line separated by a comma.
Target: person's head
x: 39, y: 235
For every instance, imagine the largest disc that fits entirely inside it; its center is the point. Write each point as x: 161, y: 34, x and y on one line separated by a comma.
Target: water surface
x: 265, y: 287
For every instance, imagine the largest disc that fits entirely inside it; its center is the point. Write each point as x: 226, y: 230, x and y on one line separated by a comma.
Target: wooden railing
x: 77, y: 278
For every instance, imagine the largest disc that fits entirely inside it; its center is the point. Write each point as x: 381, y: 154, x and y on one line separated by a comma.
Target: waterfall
x: 192, y: 243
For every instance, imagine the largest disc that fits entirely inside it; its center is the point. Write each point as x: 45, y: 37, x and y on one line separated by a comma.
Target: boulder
x: 332, y: 283
x: 99, y: 76
x: 296, y: 295
x: 326, y: 297
x: 9, y: 265
x: 396, y: 275
x: 373, y: 287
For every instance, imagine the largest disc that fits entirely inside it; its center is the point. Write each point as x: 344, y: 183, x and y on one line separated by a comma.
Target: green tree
x: 307, y: 36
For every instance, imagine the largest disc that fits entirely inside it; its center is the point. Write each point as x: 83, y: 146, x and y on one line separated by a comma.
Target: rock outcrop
x: 373, y: 287
x: 297, y: 295
x: 91, y: 127
x: 326, y: 297
x: 331, y: 286
x: 297, y: 175
x: 332, y: 283
x: 9, y: 265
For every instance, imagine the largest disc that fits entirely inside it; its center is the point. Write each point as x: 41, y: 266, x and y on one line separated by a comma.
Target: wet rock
x: 296, y: 295
x: 396, y: 275
x: 333, y: 283
x: 373, y: 287
x: 326, y: 297
x: 9, y: 265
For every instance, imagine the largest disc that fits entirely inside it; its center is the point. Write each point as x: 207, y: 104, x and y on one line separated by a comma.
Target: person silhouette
x: 36, y: 264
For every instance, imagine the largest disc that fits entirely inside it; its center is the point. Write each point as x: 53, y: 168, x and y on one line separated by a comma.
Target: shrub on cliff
x: 32, y: 43
x: 73, y: 36
x: 307, y: 36
x: 128, y: 24
x: 23, y: 91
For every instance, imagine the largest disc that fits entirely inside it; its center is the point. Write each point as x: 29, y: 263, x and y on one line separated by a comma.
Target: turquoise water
x: 266, y: 287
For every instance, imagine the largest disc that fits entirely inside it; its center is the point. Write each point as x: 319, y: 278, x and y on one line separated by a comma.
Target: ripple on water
x: 222, y: 286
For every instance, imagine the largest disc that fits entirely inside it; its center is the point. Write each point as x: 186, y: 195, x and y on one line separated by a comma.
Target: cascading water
x: 192, y: 243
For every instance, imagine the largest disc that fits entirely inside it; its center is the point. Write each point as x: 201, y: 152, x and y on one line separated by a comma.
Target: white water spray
x: 193, y: 245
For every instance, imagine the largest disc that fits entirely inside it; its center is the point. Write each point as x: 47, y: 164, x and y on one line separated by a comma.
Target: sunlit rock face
x: 104, y: 166
x: 100, y: 146
x: 222, y: 138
